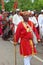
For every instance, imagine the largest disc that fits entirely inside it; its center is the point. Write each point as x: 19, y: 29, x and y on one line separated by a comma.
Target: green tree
x: 25, y: 5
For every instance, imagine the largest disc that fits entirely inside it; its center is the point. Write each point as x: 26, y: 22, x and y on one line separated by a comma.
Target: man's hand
x: 15, y: 43
x: 39, y: 40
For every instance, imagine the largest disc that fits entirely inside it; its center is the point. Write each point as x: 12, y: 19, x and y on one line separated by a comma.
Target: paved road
x: 7, y: 54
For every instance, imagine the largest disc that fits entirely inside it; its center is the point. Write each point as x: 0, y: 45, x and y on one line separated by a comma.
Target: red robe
x: 26, y: 43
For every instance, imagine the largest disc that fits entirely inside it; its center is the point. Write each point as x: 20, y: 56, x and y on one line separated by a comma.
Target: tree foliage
x: 25, y: 5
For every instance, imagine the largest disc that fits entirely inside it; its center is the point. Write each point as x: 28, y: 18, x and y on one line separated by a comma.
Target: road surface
x: 7, y: 54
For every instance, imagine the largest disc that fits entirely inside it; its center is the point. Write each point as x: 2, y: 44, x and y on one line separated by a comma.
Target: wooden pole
x: 2, y: 2
x: 15, y: 53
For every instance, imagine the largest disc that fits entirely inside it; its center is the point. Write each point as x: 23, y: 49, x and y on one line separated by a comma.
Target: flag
x: 15, y: 5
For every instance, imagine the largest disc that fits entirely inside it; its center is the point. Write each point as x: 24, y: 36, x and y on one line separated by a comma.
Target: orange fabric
x: 15, y: 5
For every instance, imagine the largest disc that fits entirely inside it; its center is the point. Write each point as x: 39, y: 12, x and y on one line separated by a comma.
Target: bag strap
x: 29, y: 27
x: 25, y: 26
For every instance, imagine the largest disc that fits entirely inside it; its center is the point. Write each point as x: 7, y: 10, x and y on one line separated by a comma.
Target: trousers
x: 27, y: 60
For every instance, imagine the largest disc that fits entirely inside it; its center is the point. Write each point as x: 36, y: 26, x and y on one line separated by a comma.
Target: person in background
x: 36, y: 14
x: 17, y: 18
x: 1, y: 19
x: 33, y: 18
x: 27, y: 47
x: 40, y: 21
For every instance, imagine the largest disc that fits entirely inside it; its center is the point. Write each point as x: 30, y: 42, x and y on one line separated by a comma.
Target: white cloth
x: 27, y: 60
x: 17, y: 19
x: 15, y: 28
x: 40, y: 21
x: 33, y: 19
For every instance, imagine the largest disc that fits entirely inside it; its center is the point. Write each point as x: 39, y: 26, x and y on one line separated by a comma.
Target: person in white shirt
x: 33, y: 19
x: 40, y: 21
x: 17, y: 19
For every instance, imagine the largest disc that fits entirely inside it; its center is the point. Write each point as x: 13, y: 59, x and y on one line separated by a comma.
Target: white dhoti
x: 27, y: 60
x: 41, y: 31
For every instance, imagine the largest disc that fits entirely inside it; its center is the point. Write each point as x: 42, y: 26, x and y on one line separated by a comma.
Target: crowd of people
x: 6, y: 25
x: 10, y: 20
x: 20, y: 25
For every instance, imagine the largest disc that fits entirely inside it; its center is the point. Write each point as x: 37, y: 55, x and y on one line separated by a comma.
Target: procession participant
x: 17, y: 18
x: 40, y: 21
x: 33, y: 19
x: 36, y: 19
x: 27, y: 48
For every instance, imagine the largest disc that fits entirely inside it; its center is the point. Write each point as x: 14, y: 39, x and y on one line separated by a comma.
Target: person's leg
x: 30, y: 57
x: 27, y: 60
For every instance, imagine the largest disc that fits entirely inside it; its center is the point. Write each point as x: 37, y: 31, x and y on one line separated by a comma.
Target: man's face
x: 25, y: 17
x: 18, y: 12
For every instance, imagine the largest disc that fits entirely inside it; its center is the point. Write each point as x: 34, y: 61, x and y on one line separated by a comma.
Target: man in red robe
x: 27, y: 47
